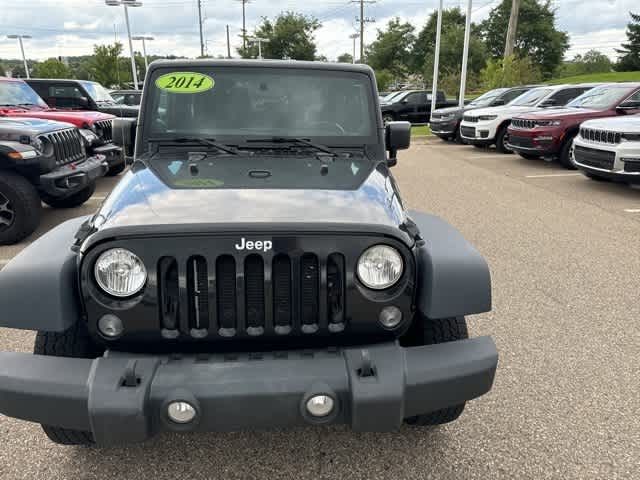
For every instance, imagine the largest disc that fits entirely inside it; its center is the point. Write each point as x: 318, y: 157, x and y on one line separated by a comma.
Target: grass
x: 600, y: 77
x: 420, y: 131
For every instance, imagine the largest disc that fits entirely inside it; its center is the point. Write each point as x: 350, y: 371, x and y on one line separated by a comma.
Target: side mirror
x: 628, y: 105
x: 124, y: 133
x: 83, y: 102
x: 549, y: 104
x: 397, y: 137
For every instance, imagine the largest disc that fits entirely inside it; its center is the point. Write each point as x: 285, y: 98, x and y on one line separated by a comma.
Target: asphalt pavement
x: 564, y: 254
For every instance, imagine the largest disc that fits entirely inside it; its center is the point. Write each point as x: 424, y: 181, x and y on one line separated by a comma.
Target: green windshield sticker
x: 199, y: 183
x: 185, y: 82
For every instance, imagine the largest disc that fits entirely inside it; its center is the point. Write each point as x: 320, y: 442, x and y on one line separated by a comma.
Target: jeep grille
x: 67, y: 145
x: 105, y: 130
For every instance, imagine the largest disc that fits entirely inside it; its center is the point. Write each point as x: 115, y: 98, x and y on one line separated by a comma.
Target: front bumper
x: 618, y: 162
x: 69, y: 179
x: 540, y: 142
x: 112, y: 153
x: 445, y: 128
x: 240, y: 391
x: 479, y: 133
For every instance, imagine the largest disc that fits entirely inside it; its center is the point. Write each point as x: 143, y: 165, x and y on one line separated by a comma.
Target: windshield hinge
x: 411, y: 228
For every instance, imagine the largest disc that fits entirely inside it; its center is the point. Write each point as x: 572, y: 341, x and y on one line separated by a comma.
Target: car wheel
x: 501, y: 140
x: 566, y: 153
x: 75, y: 343
x: 20, y: 208
x: 458, y: 137
x: 425, y: 331
x: 116, y: 170
x: 71, y: 201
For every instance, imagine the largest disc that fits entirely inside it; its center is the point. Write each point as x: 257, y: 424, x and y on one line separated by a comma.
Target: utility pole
x: 510, y: 44
x: 200, y: 24
x: 244, y: 24
x: 362, y: 20
x: 465, y: 54
x: 436, y: 62
x: 228, y: 44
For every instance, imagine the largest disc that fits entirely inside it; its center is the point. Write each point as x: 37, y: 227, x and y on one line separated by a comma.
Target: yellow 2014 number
x: 185, y: 82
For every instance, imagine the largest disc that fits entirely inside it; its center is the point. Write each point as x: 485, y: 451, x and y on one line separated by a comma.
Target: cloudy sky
x: 72, y: 27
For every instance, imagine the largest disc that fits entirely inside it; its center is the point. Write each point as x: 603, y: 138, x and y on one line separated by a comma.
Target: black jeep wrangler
x: 41, y: 161
x: 255, y: 268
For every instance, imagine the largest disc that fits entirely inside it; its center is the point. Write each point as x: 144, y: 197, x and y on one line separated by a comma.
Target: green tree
x: 3, y: 72
x: 630, y: 52
x: 392, y: 48
x: 106, y: 66
x: 289, y: 35
x: 591, y: 62
x: 537, y: 36
x: 52, y: 68
x: 345, y: 58
x: 509, y: 72
x: 384, y: 79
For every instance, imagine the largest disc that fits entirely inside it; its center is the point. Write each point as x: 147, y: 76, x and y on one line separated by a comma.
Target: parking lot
x: 563, y: 251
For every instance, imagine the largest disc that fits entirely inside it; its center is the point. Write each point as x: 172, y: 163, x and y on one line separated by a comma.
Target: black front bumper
x: 444, y: 129
x: 112, y: 153
x: 69, y: 179
x: 239, y: 391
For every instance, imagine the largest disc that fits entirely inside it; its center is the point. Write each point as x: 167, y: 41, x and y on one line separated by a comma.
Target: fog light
x: 320, y: 405
x: 110, y: 326
x: 390, y: 317
x: 181, y: 412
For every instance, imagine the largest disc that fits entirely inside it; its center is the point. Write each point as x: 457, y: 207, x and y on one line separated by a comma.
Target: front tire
x: 425, y: 331
x: 75, y: 343
x: 72, y: 201
x: 501, y: 140
x: 566, y: 153
x: 20, y: 208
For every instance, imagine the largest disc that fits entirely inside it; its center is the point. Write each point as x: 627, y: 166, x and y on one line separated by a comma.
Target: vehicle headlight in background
x: 548, y: 123
x: 120, y: 272
x: 380, y: 267
x: 89, y: 137
x: 487, y: 117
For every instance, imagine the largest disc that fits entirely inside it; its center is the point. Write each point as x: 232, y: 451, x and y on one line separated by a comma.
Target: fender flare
x: 453, y: 278
x: 38, y: 287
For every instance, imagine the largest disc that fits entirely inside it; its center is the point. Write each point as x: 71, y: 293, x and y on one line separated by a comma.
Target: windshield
x: 390, y: 97
x: 488, y: 97
x: 531, y: 98
x: 19, y: 93
x: 97, y: 92
x: 246, y: 103
x: 601, y: 97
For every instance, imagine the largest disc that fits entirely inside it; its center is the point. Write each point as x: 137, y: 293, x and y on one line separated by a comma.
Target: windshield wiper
x: 201, y: 140
x: 300, y: 141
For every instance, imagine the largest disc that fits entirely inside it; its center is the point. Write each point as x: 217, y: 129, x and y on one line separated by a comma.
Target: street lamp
x: 126, y: 4
x: 259, y: 41
x: 144, y: 50
x: 354, y: 37
x: 24, y: 58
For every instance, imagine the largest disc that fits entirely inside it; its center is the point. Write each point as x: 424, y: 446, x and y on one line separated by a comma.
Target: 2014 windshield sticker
x: 185, y: 82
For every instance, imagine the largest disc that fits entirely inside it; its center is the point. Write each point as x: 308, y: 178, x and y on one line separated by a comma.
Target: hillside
x: 600, y: 77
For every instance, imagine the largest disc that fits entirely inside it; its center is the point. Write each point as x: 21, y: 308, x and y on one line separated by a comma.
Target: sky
x: 72, y: 27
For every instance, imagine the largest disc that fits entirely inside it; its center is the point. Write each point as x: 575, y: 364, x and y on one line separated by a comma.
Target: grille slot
x: 600, y: 136
x: 282, y: 294
x: 106, y: 129
x: 198, y: 288
x: 336, y: 291
x: 309, y: 292
x: 226, y: 285
x: 254, y: 294
x: 168, y: 293
x: 66, y: 144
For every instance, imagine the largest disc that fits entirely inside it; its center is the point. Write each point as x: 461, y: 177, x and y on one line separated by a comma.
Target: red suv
x: 549, y: 134
x: 17, y: 99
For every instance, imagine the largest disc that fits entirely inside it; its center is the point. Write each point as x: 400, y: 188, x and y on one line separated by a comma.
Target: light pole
x: 354, y: 37
x: 436, y: 62
x: 24, y: 58
x: 259, y: 41
x: 126, y: 4
x: 465, y: 55
x: 144, y: 50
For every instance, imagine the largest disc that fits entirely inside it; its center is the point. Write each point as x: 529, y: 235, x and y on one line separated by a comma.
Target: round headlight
x: 380, y: 267
x: 120, y: 273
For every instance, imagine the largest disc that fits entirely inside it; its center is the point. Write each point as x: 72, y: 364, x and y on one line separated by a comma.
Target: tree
x: 451, y: 48
x: 345, y: 58
x: 52, y: 68
x: 537, y: 36
x: 591, y: 62
x: 289, y: 35
x: 509, y: 72
x: 3, y: 72
x: 384, y: 79
x: 630, y: 53
x: 106, y: 66
x: 391, y: 50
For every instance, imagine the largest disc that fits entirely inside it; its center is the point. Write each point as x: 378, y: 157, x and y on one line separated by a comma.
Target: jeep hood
x: 621, y: 124
x: 11, y: 127
x: 142, y: 201
x: 564, y: 113
x: 503, y: 111
x: 77, y: 118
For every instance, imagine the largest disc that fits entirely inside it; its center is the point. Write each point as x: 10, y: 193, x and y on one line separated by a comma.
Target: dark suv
x: 445, y: 122
x: 413, y: 106
x: 255, y: 268
x: 80, y: 95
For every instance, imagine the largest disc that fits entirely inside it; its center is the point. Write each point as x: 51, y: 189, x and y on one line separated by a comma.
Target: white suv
x: 609, y: 148
x: 488, y: 126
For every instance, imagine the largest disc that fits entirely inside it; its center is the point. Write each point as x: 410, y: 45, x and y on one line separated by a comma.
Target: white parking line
x: 549, y: 175
x: 97, y: 198
x: 632, y: 210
